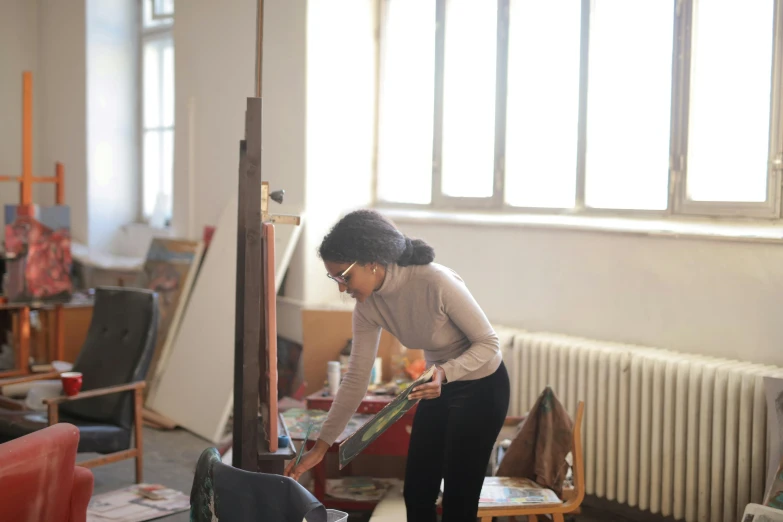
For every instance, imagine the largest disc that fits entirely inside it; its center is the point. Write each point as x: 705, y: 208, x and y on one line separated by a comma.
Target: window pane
x: 168, y: 84
x: 728, y: 129
x: 147, y: 20
x: 167, y: 178
x: 406, y: 102
x: 629, y: 104
x: 151, y: 84
x: 542, y: 103
x: 152, y: 170
x: 469, y: 98
x: 164, y: 7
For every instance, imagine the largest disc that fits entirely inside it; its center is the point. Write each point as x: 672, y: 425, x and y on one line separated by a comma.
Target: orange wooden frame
x: 269, y: 383
x: 26, y: 181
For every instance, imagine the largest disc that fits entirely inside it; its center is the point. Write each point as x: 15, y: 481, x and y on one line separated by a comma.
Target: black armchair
x: 114, y: 362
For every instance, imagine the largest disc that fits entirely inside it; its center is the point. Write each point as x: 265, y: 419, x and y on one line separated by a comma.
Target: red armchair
x: 39, y: 479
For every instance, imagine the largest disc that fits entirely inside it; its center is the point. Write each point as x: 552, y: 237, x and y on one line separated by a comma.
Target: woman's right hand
x: 309, y: 460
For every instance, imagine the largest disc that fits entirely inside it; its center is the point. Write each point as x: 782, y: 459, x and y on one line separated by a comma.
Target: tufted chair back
x: 118, y: 350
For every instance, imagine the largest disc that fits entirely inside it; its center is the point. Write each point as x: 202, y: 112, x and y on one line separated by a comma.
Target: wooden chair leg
x: 138, y: 428
x: 532, y: 518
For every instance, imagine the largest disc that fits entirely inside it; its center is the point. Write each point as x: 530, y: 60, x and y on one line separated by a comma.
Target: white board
x: 197, y: 385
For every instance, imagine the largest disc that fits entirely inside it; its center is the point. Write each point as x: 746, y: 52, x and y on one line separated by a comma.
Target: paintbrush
x: 304, y: 443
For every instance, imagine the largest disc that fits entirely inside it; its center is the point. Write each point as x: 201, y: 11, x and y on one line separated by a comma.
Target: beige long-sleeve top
x: 426, y: 307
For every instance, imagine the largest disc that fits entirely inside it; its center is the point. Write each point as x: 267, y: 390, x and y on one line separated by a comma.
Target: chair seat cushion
x: 93, y: 437
x: 505, y: 492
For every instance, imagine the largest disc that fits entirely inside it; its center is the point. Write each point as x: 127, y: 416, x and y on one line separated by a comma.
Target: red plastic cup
x: 72, y: 382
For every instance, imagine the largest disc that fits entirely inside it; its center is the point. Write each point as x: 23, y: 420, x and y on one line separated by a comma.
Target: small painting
x: 373, y: 429
x: 38, y: 253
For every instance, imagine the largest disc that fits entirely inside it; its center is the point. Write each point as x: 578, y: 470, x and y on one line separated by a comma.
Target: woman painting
x: 426, y: 306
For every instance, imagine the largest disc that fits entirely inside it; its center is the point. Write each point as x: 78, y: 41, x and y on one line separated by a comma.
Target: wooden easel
x: 257, y: 423
x: 26, y: 181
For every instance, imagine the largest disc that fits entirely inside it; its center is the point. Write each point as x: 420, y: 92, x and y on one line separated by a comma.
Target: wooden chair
x: 113, y: 361
x: 486, y: 512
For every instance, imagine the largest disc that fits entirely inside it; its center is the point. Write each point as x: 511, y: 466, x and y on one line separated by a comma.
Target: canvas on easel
x: 38, y: 252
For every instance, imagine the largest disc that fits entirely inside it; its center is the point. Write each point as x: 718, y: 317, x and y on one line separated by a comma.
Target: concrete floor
x: 170, y: 458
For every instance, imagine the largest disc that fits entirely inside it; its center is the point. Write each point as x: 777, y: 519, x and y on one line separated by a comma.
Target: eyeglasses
x: 341, y: 278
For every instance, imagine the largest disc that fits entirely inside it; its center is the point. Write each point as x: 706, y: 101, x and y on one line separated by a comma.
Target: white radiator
x: 675, y: 434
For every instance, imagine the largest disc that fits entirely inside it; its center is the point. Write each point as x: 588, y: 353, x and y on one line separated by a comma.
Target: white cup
x: 333, y: 376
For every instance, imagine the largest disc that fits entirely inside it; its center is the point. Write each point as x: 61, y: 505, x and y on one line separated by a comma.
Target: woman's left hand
x: 429, y: 390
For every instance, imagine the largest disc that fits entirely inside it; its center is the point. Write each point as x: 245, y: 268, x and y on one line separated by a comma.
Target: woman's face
x: 357, y: 280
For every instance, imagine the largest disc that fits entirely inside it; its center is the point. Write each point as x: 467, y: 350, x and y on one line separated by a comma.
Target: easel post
x: 255, y: 349
x: 26, y: 185
x: 26, y: 180
x: 249, y: 324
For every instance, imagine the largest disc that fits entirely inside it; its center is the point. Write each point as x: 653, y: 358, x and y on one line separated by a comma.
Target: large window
x: 157, y: 115
x: 650, y: 106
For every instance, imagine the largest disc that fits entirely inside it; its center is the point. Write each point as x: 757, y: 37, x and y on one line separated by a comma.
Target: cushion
x: 93, y: 437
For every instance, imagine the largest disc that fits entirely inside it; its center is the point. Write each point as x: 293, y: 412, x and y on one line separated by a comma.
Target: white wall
x: 112, y: 115
x: 214, y: 76
x: 63, y: 103
x: 18, y: 53
x: 718, y: 298
x: 214, y: 71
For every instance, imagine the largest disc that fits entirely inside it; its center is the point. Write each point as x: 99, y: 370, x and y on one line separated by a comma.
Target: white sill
x: 674, y: 227
x: 141, y: 225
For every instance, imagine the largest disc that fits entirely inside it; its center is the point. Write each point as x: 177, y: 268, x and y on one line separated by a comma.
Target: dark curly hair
x: 368, y: 237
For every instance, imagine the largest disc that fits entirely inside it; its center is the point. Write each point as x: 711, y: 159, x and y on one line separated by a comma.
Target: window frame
x: 678, y: 205
x: 681, y: 205
x: 164, y: 30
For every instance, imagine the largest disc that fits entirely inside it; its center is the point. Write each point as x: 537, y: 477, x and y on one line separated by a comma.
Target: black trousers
x: 452, y: 439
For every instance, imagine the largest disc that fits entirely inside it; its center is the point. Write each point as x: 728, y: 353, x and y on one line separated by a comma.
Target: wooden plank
x: 59, y: 177
x: 98, y: 392
x: 108, y: 459
x: 241, y: 453
x: 26, y: 188
x: 275, y: 462
x: 268, y: 381
x: 59, y: 334
x: 138, y: 433
x: 249, y: 361
x: 12, y: 373
x: 53, y: 413
x: 7, y: 403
